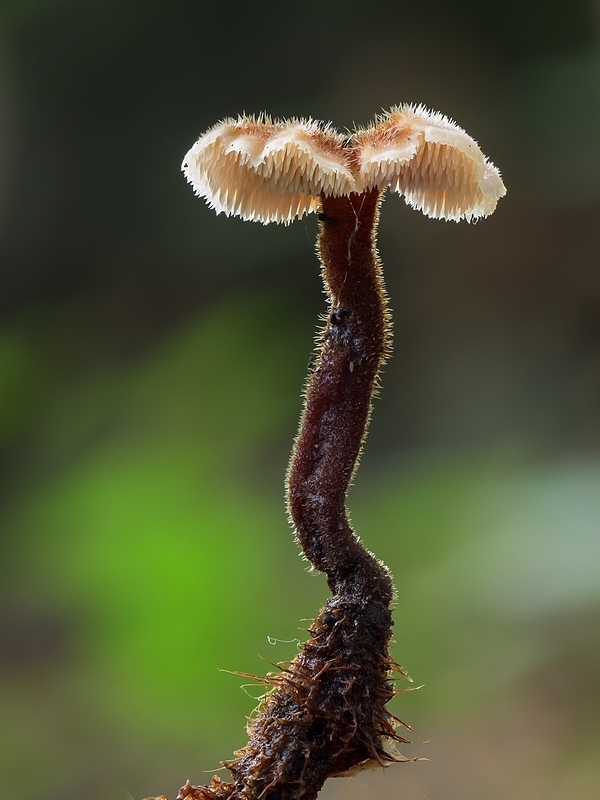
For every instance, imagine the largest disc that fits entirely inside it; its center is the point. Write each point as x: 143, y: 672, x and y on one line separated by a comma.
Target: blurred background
x: 152, y: 357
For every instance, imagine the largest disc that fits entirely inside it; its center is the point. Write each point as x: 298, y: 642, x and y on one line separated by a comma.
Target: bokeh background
x: 152, y: 357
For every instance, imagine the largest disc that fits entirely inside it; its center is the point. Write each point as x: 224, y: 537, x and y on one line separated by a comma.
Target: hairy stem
x: 339, y: 395
x: 325, y: 714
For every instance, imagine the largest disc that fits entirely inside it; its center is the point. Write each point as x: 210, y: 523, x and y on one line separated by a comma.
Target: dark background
x: 152, y: 357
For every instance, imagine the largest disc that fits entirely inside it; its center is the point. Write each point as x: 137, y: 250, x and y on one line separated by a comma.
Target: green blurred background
x: 152, y: 357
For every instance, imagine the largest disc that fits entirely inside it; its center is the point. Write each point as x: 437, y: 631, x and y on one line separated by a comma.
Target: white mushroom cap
x: 268, y: 171
x: 425, y: 156
x: 274, y: 171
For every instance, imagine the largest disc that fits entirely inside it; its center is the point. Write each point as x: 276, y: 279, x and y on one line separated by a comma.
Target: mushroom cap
x: 268, y: 171
x: 274, y: 171
x: 429, y: 159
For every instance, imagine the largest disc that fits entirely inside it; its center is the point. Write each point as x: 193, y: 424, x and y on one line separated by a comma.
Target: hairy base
x: 326, y: 715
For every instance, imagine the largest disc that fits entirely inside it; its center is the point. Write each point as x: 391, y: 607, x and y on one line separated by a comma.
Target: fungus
x: 325, y: 712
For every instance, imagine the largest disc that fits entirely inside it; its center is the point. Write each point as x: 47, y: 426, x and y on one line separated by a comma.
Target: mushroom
x: 325, y: 713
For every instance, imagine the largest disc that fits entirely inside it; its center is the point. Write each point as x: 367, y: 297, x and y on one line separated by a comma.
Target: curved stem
x: 339, y: 393
x: 326, y: 713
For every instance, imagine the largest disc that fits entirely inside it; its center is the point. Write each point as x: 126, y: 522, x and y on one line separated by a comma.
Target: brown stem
x: 325, y: 714
x: 339, y: 394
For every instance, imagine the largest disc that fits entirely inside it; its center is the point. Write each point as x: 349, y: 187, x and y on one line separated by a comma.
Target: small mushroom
x: 326, y: 714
